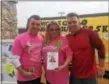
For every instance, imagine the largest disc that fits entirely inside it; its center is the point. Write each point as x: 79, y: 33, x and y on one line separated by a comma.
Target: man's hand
x: 101, y: 72
x: 25, y: 73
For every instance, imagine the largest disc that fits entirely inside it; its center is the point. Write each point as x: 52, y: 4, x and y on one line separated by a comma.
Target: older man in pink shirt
x: 26, y: 51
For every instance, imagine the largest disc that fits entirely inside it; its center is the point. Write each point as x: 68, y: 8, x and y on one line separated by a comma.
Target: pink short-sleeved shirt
x: 62, y: 76
x: 29, y: 49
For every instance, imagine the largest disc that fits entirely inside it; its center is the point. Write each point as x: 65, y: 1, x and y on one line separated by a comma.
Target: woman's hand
x: 60, y: 68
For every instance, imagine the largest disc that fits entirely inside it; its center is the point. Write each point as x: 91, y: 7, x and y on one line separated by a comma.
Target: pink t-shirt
x: 62, y: 76
x: 29, y: 49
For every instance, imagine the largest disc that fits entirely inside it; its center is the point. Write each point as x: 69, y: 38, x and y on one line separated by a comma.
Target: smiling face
x: 34, y: 26
x: 73, y: 24
x: 53, y: 30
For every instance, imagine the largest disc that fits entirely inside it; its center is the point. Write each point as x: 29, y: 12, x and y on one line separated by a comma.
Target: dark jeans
x: 74, y: 80
x: 36, y: 81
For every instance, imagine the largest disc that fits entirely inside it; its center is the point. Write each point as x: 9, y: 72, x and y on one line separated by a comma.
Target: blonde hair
x: 47, y: 36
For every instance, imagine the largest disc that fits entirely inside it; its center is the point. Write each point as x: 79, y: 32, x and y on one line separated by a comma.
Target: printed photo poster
x: 52, y: 60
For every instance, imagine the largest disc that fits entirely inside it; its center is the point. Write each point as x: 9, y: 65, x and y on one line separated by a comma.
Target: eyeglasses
x: 54, y: 30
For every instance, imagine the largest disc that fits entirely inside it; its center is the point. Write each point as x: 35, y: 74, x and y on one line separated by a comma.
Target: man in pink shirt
x: 26, y: 52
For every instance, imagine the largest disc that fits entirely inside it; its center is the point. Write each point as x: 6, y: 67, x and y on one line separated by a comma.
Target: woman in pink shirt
x: 26, y: 53
x: 56, y: 55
